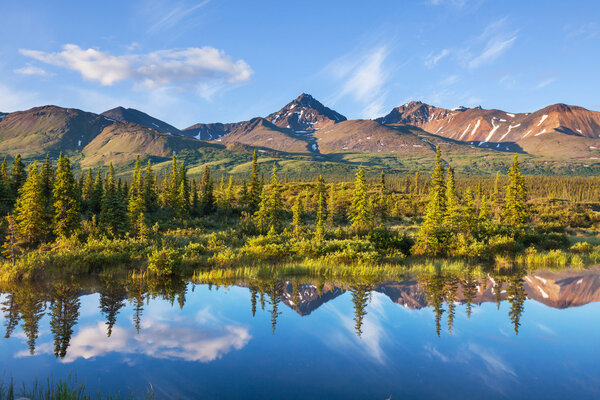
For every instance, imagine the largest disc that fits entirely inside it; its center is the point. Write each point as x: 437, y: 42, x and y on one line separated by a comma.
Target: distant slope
x: 210, y: 131
x: 305, y: 113
x: 48, y: 129
x: 259, y: 132
x: 131, y: 115
x: 369, y: 136
x: 122, y: 142
x: 491, y: 127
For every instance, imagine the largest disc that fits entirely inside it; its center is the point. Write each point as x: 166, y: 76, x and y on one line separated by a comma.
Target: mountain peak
x: 305, y: 113
x: 138, y: 117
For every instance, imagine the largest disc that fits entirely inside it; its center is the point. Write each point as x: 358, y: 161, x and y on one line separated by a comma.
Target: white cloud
x: 12, y: 100
x: 200, y: 67
x: 31, y: 70
x: 493, y: 49
x: 432, y: 59
x: 363, y: 79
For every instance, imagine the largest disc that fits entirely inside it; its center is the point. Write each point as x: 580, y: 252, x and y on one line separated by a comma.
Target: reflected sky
x: 210, y: 345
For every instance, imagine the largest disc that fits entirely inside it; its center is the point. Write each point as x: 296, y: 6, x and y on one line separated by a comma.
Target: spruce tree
x: 17, y: 174
x: 137, y: 203
x: 98, y: 195
x: 321, y: 197
x: 113, y: 215
x: 360, y: 213
x: 6, y: 193
x: 469, y: 220
x: 515, y: 212
x: 431, y: 239
x: 48, y: 180
x: 381, y: 201
x: 30, y: 213
x: 207, y: 197
x: 150, y: 188
x: 452, y: 217
x: 87, y: 191
x: 230, y: 194
x: 332, y: 205
x: 183, y: 201
x: 66, y: 209
x: 255, y: 184
x: 297, y: 218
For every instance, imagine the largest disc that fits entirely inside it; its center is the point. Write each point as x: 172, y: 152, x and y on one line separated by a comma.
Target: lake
x: 522, y: 335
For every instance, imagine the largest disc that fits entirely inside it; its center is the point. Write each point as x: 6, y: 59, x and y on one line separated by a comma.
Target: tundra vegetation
x: 164, y: 223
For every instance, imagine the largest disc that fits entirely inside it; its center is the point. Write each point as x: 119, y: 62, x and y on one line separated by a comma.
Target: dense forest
x: 164, y: 222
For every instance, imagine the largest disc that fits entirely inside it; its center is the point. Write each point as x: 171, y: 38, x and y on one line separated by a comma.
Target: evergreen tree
x: 98, y: 195
x: 113, y: 215
x: 47, y: 181
x: 17, y: 174
x: 255, y: 184
x: 244, y: 195
x: 65, y: 200
x: 332, y: 205
x: 150, y: 188
x: 496, y: 198
x: 137, y: 201
x: 6, y: 193
x: 30, y: 213
x: 321, y: 197
x: 452, y: 217
x: 271, y: 205
x: 195, y: 203
x: 515, y: 212
x: 431, y: 239
x: 207, y: 197
x: 360, y: 212
x: 297, y: 218
x: 171, y: 188
x: 381, y: 202
x: 230, y: 194
x: 87, y: 191
x: 183, y: 202
x: 469, y: 220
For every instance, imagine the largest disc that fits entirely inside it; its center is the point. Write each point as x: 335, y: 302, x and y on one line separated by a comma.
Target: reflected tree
x: 515, y: 293
x: 112, y: 299
x: 253, y: 298
x: 451, y: 288
x: 32, y: 307
x: 275, y: 291
x: 12, y: 314
x: 433, y: 286
x: 469, y: 289
x: 360, y: 297
x: 64, y: 312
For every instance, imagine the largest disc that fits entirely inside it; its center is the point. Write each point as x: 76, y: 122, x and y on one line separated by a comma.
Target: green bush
x: 164, y: 262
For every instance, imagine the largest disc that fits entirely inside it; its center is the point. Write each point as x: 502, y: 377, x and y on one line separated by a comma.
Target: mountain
x: 370, y: 136
x: 122, y: 142
x: 140, y: 118
x: 49, y: 129
x: 259, y: 132
x: 494, y: 128
x: 211, y: 131
x: 307, y: 299
x: 305, y: 114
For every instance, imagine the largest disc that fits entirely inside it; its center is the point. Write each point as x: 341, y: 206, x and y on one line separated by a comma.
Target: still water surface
x: 533, y: 335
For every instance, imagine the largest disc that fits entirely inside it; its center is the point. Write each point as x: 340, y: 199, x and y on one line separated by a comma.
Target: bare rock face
x: 305, y: 114
x: 496, y: 128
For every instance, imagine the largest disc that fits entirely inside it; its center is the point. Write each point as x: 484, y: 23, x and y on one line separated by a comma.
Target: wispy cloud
x: 32, y: 70
x: 583, y: 31
x: 206, y: 69
x: 493, y: 49
x: 432, y: 59
x: 175, y: 16
x: 363, y: 79
x: 545, y: 83
x: 452, y: 3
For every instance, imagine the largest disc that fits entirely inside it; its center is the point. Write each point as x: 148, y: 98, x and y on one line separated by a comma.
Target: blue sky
x: 224, y: 60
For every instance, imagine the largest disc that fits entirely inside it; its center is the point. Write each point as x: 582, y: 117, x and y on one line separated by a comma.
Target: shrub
x: 164, y: 262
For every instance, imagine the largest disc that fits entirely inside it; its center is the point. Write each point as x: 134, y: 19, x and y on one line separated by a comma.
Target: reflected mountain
x: 24, y: 306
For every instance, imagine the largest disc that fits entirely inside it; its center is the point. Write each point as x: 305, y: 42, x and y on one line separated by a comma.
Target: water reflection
x: 26, y: 304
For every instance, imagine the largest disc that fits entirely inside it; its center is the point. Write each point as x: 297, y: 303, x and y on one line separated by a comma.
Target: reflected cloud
x: 179, y: 339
